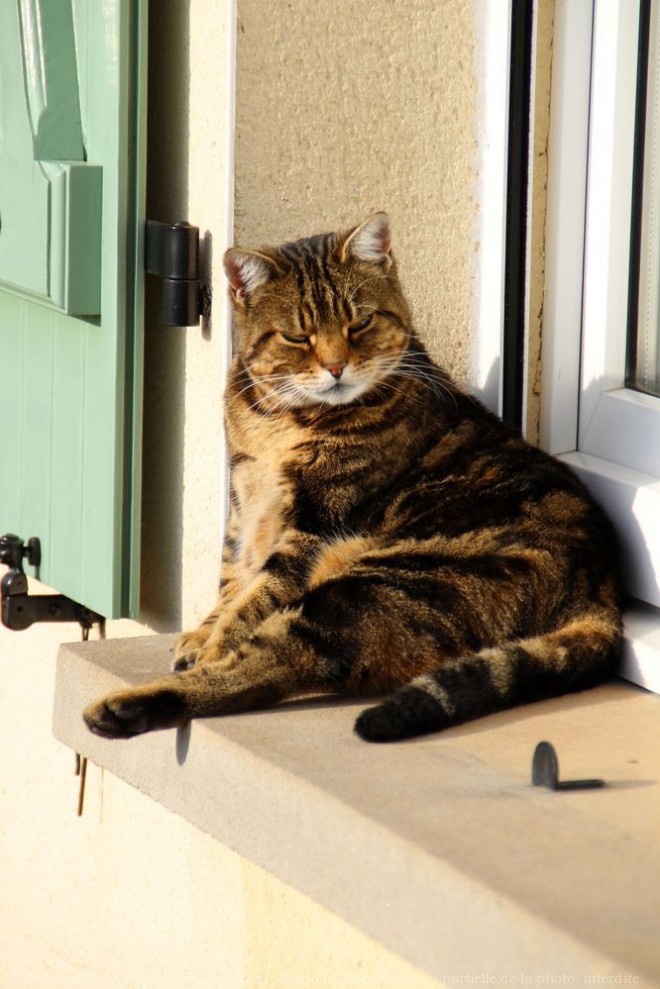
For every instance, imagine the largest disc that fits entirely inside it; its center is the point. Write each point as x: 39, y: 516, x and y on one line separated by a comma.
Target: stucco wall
x: 342, y: 108
x: 345, y: 108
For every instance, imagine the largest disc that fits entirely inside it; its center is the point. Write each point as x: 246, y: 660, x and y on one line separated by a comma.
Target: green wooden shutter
x: 72, y: 127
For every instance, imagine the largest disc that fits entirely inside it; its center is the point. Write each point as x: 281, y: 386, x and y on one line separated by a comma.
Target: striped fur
x: 387, y: 534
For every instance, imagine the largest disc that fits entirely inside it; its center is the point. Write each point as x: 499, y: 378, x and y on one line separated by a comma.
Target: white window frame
x: 610, y: 435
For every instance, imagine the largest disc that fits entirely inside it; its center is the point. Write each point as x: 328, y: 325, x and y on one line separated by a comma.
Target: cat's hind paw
x: 187, y: 649
x: 130, y: 713
x: 185, y: 662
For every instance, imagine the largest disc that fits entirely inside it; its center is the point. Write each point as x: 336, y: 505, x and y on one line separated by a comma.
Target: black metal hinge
x: 21, y: 609
x: 172, y: 253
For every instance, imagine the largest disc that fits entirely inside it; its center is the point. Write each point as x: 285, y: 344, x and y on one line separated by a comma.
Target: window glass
x: 643, y: 371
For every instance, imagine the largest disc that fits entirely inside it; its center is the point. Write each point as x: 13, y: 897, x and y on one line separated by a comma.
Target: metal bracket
x: 545, y: 771
x: 21, y: 609
x: 172, y: 253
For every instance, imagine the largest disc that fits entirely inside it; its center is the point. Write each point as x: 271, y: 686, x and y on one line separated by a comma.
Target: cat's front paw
x: 133, y: 712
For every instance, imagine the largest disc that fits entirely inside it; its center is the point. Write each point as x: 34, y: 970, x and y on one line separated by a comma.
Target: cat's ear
x: 369, y: 241
x: 247, y: 271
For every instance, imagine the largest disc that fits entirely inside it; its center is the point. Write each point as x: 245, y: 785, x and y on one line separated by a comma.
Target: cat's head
x: 322, y: 320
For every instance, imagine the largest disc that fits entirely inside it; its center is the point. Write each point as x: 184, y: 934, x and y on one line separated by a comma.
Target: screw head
x: 33, y: 551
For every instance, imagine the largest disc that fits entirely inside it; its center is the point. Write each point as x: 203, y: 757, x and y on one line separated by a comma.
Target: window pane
x: 644, y: 331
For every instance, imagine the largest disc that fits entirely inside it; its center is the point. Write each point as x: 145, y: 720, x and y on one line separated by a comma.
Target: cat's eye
x: 294, y: 338
x: 360, y: 325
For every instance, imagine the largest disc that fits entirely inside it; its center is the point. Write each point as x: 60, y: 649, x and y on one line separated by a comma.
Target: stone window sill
x: 438, y: 848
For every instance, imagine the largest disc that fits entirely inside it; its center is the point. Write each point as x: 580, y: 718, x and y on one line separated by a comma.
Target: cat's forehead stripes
x: 320, y: 299
x: 305, y: 318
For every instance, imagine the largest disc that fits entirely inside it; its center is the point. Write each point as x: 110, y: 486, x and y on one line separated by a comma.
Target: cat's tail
x: 576, y: 656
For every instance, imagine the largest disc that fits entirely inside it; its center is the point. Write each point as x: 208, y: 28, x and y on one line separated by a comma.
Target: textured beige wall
x: 348, y: 107
x: 343, y: 108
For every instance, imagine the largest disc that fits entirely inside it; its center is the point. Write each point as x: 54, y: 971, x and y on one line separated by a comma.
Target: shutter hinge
x: 172, y: 253
x: 20, y: 609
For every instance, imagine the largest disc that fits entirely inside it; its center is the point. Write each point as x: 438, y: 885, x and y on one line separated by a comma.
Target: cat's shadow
x: 183, y: 732
x: 500, y: 719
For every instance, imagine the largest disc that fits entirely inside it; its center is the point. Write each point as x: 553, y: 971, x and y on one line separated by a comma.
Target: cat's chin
x: 339, y: 394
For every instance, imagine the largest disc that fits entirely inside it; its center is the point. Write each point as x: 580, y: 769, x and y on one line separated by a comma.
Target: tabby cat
x: 388, y: 535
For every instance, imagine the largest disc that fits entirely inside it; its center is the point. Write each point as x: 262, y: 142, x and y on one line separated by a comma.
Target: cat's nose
x: 335, y: 369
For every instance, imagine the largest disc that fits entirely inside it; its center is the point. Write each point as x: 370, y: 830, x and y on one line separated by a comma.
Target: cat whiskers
x: 278, y: 393
x: 285, y: 395
x: 406, y: 365
x: 388, y: 386
x: 281, y: 390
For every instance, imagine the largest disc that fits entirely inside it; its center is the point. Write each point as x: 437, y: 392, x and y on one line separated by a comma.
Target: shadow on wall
x: 489, y: 391
x: 165, y: 356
